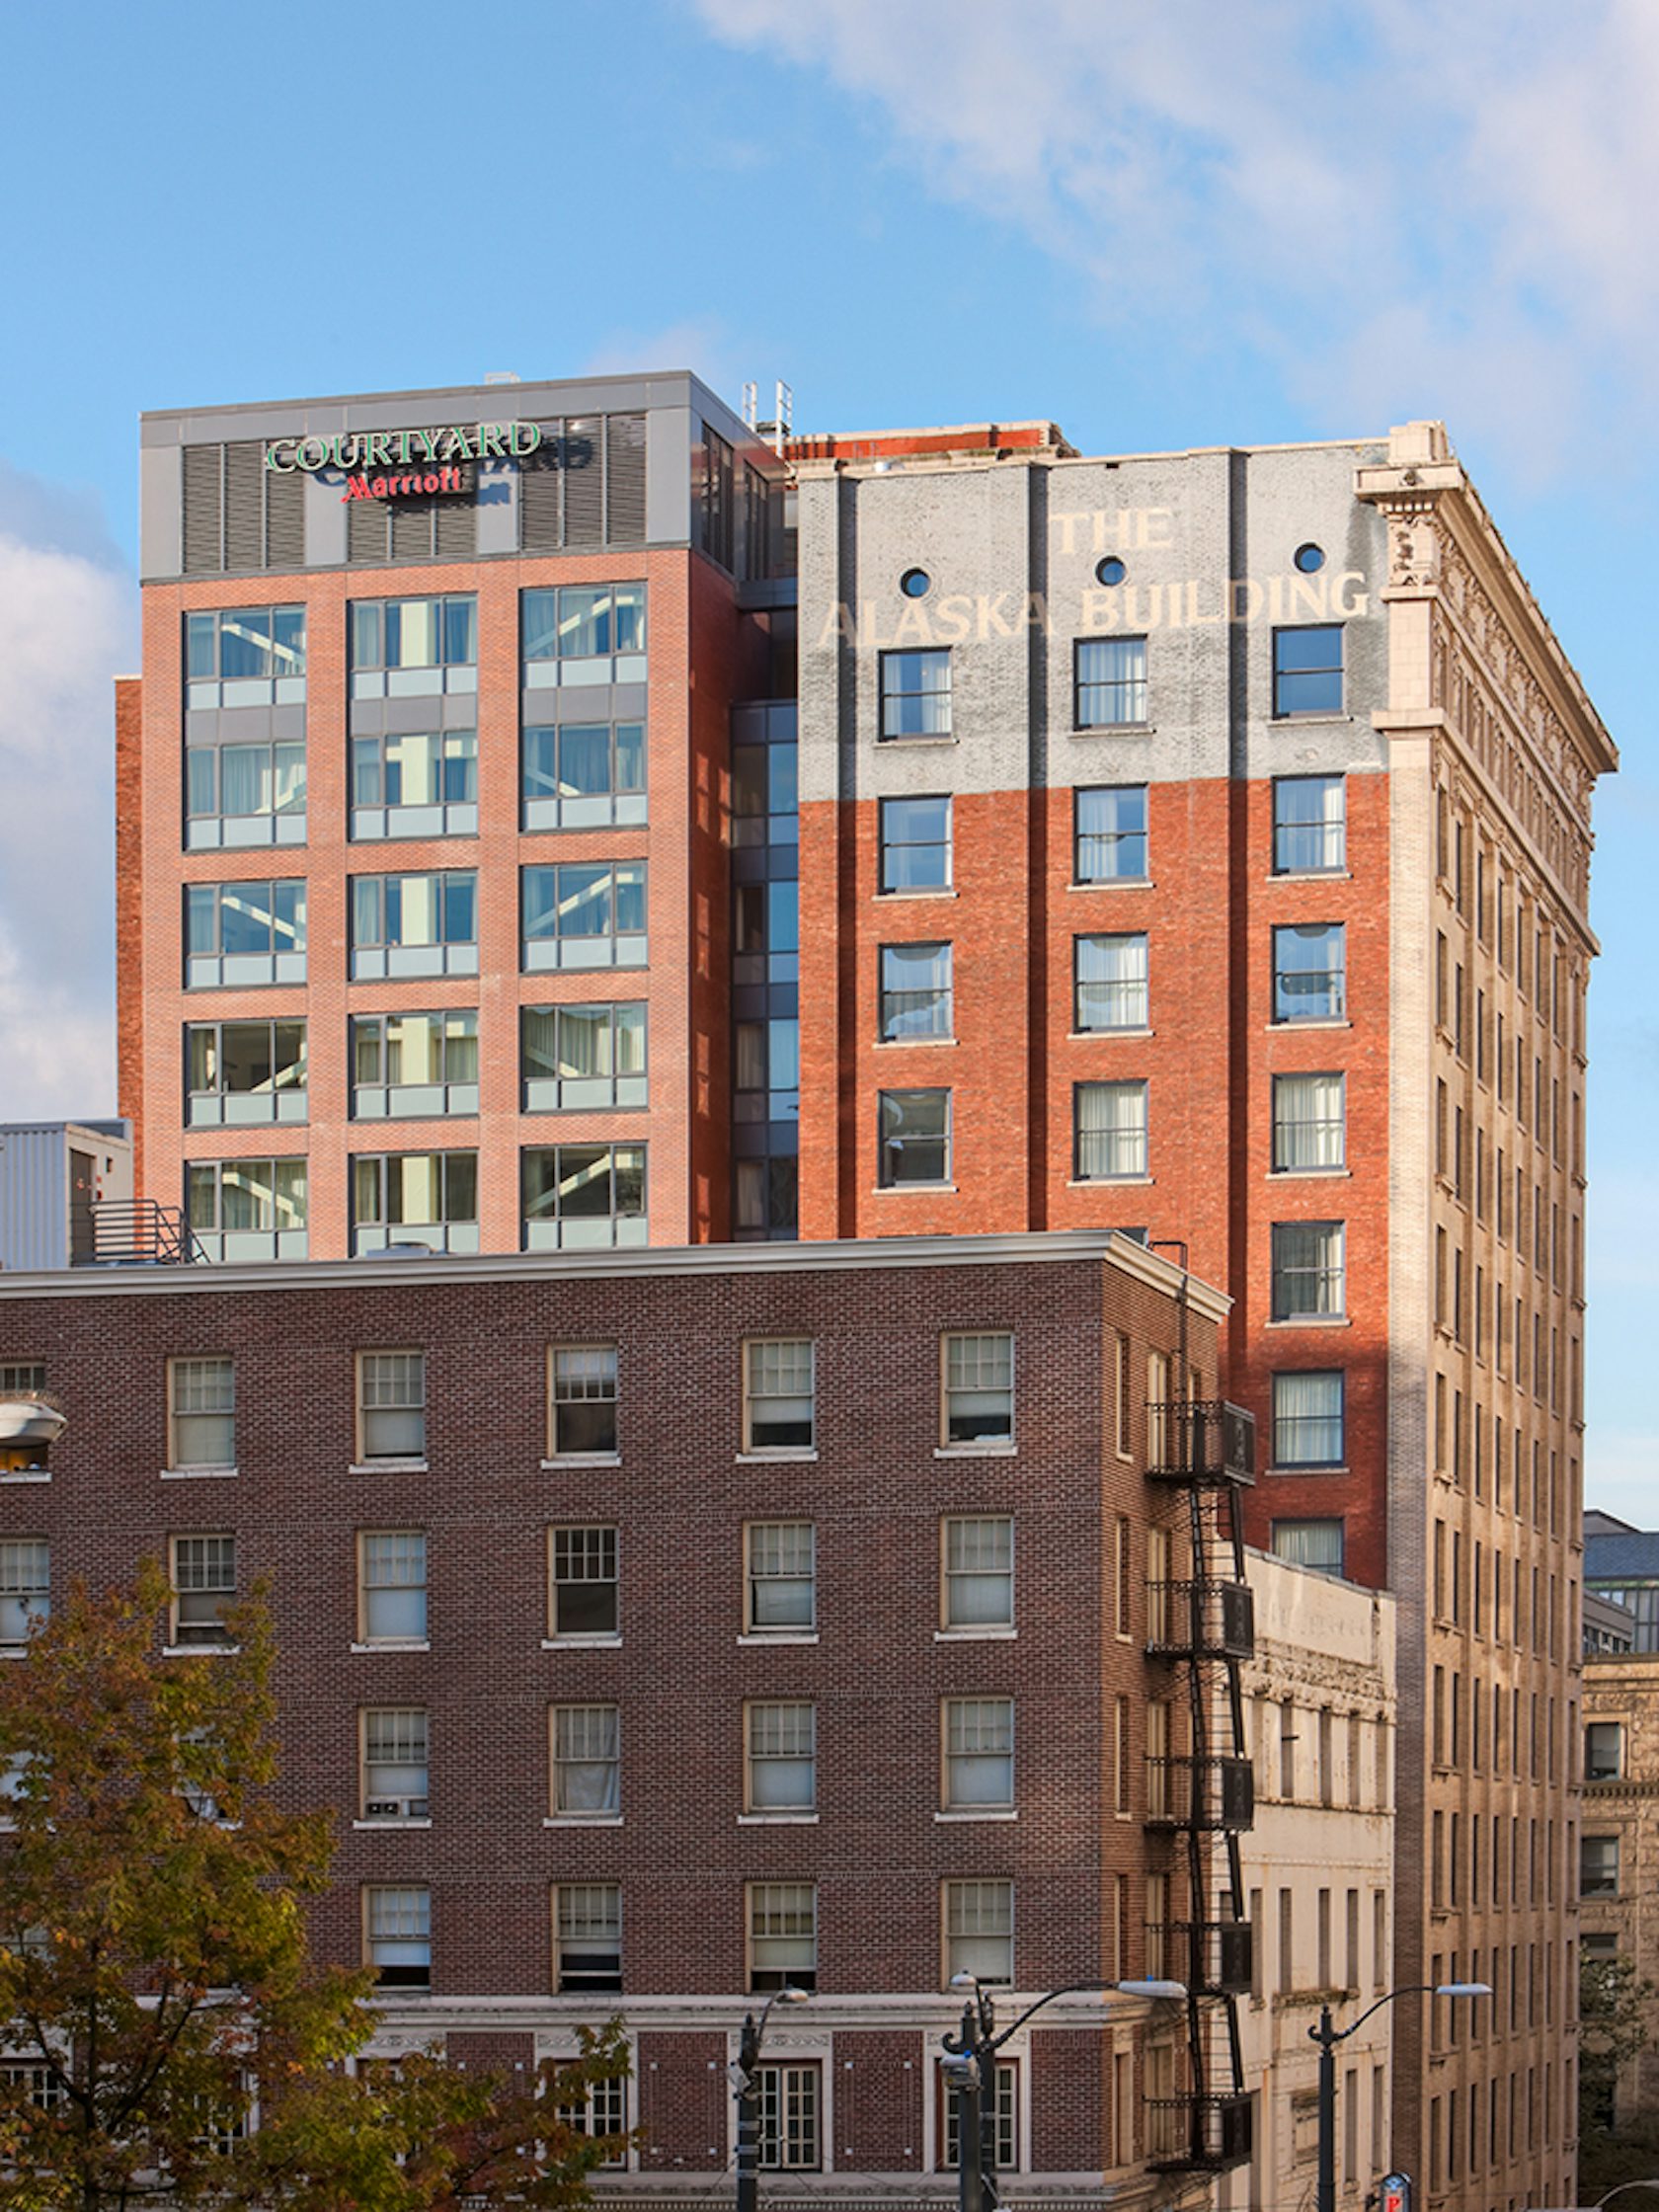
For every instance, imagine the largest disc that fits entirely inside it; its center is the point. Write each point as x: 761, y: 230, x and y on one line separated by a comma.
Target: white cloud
x: 66, y: 628
x: 1405, y: 207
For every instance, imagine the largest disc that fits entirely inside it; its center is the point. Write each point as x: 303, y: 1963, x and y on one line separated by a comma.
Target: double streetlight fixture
x: 969, y: 2072
x: 741, y: 2074
x: 1327, y: 2035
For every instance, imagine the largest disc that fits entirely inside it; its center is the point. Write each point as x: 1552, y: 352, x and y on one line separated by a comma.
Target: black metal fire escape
x: 1201, y: 1798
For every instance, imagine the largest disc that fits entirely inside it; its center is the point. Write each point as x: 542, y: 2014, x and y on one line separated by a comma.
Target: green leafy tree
x: 1615, y: 2009
x: 169, y: 2036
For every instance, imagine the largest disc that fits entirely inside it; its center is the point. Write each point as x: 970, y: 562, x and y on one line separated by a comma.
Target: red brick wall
x: 129, y: 915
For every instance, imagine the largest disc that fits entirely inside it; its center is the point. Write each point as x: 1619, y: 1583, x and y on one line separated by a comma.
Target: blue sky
x: 1162, y: 228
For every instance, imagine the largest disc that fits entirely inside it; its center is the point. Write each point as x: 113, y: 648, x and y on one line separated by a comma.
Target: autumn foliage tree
x: 168, y: 2035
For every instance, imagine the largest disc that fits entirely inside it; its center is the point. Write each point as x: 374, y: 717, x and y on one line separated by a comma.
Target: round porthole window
x: 1310, y: 558
x: 915, y: 584
x: 1110, y: 571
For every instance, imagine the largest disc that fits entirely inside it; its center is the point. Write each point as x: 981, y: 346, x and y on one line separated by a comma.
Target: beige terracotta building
x: 1619, y: 1847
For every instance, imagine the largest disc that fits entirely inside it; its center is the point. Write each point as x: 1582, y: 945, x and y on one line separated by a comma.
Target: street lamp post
x: 1327, y: 2035
x: 742, y: 2075
x: 970, y: 2070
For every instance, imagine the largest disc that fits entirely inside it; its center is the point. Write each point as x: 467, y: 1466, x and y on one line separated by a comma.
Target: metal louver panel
x: 244, y: 535
x: 456, y: 533
x: 285, y: 521
x: 203, y: 508
x: 625, y: 479
x: 540, y: 494
x: 585, y: 480
x: 365, y: 530
x: 412, y: 530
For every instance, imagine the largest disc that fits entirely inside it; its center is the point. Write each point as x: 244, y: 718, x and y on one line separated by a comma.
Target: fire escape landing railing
x: 140, y: 1233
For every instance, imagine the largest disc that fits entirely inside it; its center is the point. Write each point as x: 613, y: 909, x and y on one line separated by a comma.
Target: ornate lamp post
x: 742, y: 2075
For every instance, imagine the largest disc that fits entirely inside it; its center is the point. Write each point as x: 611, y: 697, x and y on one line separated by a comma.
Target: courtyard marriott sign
x: 359, y: 452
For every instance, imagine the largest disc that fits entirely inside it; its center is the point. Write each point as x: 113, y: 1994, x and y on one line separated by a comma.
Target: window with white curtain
x: 1111, y: 1130
x: 1309, y: 1270
x: 1309, y: 1543
x: 1309, y: 1122
x: 915, y: 993
x: 1309, y: 824
x: 587, y: 1761
x: 1308, y: 1411
x: 1111, y: 983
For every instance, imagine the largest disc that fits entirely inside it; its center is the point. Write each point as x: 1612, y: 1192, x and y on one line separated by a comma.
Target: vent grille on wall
x: 238, y: 515
x: 585, y: 484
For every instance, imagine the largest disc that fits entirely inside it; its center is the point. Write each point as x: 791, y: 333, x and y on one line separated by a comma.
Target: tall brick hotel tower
x: 551, y: 812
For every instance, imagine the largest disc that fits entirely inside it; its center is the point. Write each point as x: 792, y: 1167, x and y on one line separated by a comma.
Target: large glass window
x: 1110, y: 834
x: 765, y: 802
x: 915, y: 844
x: 244, y: 794
x: 766, y: 932
x: 915, y: 993
x: 419, y: 784
x: 413, y: 925
x: 1308, y: 670
x: 585, y: 915
x: 414, y: 1066
x: 244, y: 933
x: 584, y: 776
x: 916, y: 694
x: 248, y: 657
x: 767, y: 1077
x: 1309, y: 1273
x: 1309, y: 1122
x: 578, y: 1196
x: 580, y: 1057
x: 583, y: 634
x: 415, y: 1198
x: 413, y: 647
x: 915, y: 1138
x: 1309, y: 972
x: 1111, y: 1130
x: 1309, y: 824
x: 246, y: 1209
x: 1307, y: 1425
x: 1111, y: 683
x: 1110, y: 979
x: 242, y: 1072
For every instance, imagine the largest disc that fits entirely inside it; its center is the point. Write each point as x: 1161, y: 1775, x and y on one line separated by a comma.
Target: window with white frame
x: 781, y: 1744
x: 1004, y: 2123
x: 916, y: 993
x: 1110, y: 683
x: 587, y: 1761
x: 203, y: 1405
x: 42, y: 2086
x: 582, y: 1582
x: 1309, y: 972
x: 1309, y: 1122
x: 25, y: 1587
x: 915, y: 844
x: 581, y: 1401
x: 604, y: 2111
x: 778, y: 1395
x: 1111, y: 1130
x: 203, y: 1588
x: 22, y: 1378
x: 392, y: 1586
x: 1109, y: 975
x: 1309, y: 1270
x: 979, y: 1754
x: 978, y: 1571
x: 586, y: 1936
x: 1110, y: 834
x: 1307, y: 1419
x: 916, y: 694
x: 782, y: 1935
x: 788, y: 2098
x: 397, y: 1936
x: 391, y: 1406
x: 781, y: 1578
x: 583, y: 634
x: 979, y: 1389
x: 979, y: 1929
x: 1309, y: 824
x: 395, y: 1763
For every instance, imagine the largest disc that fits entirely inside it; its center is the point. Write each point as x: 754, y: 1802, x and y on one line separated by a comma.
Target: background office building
x: 1194, y: 845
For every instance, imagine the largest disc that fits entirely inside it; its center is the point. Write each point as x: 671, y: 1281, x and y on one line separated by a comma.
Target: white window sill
x: 1319, y: 1470
x: 371, y: 1825
x: 1106, y: 1182
x: 1296, y: 1174
x: 391, y: 1645
x: 1094, y: 1036
x: 1310, y: 1021
x: 1116, y: 883
x: 939, y: 891
x: 1310, y: 875
x: 1115, y: 730
x: 914, y: 1043
x: 582, y: 1820
x: 200, y: 1650
x: 198, y: 1474
x: 777, y: 1820
x: 13, y: 1651
x: 781, y: 1636
x: 910, y: 1190
x: 584, y: 1459
x: 976, y: 1450
x: 1313, y: 1322
x: 974, y: 1635
x: 387, y: 1466
x: 979, y: 1812
x: 1314, y: 714
x: 26, y: 1475
x: 920, y: 737
x: 599, y: 1641
x: 769, y: 1453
